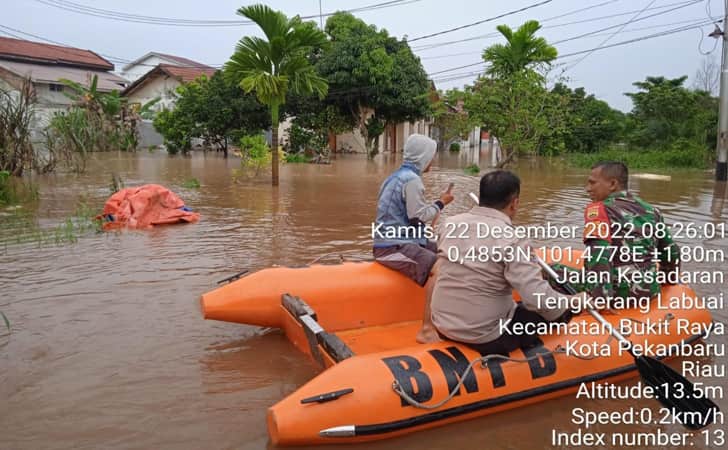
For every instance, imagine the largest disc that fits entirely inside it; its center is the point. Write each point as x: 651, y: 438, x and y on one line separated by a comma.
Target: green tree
x: 177, y: 129
x: 279, y: 65
x: 313, y: 120
x: 522, y: 51
x: 215, y: 109
x: 450, y: 119
x: 512, y: 101
x: 517, y: 110
x: 664, y: 111
x: 374, y: 78
x: 592, y: 123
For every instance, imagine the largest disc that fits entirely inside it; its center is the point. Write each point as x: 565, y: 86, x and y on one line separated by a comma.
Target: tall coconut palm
x: 279, y: 65
x: 523, y: 50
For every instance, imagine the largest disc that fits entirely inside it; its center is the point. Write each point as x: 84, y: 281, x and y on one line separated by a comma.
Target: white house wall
x: 49, y: 103
x: 159, y: 86
x: 138, y: 70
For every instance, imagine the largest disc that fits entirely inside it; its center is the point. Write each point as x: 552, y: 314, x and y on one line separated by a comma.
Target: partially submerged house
x: 157, y: 75
x: 141, y: 66
x: 162, y: 81
x: 394, y: 136
x: 46, y: 65
x: 392, y: 139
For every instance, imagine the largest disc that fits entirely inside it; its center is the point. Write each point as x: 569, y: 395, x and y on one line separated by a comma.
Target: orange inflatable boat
x: 359, y: 321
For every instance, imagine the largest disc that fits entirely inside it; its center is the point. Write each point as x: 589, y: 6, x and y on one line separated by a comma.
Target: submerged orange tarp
x: 145, y: 206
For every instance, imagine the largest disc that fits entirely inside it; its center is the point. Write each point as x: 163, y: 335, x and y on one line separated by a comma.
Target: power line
x: 558, y: 25
x: 458, y: 68
x: 9, y: 33
x: 631, y: 30
x: 633, y: 19
x: 69, y: 49
x: 490, y: 19
x: 620, y: 26
x: 167, y: 21
x: 576, y: 11
x: 643, y: 38
x: 618, y: 44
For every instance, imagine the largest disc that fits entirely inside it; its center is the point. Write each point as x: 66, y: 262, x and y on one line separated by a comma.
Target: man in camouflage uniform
x: 622, y: 232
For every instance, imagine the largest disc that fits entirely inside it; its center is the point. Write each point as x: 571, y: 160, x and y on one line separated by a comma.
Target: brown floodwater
x: 108, y: 349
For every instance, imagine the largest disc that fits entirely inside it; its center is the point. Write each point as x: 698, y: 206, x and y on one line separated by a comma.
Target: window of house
x: 56, y: 88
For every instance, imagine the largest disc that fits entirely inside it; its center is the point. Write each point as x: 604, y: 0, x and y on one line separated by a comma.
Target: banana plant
x: 91, y: 98
x: 146, y: 111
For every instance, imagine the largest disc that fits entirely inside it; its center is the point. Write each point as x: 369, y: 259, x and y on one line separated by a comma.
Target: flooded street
x: 108, y: 348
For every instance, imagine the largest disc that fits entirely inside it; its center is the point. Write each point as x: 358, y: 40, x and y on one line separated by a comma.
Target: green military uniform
x: 625, y: 233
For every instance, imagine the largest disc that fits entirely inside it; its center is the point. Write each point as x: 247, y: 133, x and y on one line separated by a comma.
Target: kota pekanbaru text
x: 591, y: 349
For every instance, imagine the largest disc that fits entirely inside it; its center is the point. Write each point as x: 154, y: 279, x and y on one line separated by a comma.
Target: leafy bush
x: 681, y: 154
x: 175, y: 129
x: 255, y: 153
x: 96, y: 122
x: 297, y: 158
x: 300, y: 139
x: 455, y: 147
x: 192, y: 183
x: 472, y: 169
x: 16, y: 116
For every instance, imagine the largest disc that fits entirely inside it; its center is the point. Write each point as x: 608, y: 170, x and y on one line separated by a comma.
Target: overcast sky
x: 606, y: 73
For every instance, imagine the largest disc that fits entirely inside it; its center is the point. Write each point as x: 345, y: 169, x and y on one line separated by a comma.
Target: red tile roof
x: 183, y: 74
x: 28, y: 51
x: 187, y: 74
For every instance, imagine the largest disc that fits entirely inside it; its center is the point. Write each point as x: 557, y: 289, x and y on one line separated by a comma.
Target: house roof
x: 183, y: 61
x: 176, y: 60
x: 28, y: 51
x: 41, y: 73
x: 182, y: 74
x: 187, y: 74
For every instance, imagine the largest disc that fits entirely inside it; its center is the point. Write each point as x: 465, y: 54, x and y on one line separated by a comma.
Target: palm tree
x: 279, y: 65
x: 522, y: 51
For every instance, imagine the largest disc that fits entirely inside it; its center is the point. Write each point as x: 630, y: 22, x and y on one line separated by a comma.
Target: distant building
x: 392, y: 140
x: 141, y: 66
x: 46, y: 65
x: 394, y: 136
x: 161, y: 81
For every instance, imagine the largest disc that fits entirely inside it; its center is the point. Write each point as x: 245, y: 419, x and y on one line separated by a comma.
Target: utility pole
x: 321, y: 15
x: 721, y: 167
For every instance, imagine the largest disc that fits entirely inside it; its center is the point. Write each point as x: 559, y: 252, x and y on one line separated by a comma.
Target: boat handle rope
x: 483, y: 360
